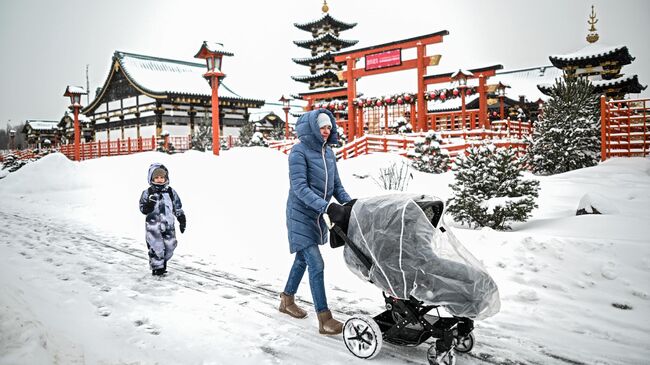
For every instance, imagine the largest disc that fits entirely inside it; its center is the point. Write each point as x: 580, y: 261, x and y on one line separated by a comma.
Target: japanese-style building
x: 323, y: 70
x: 66, y: 128
x: 42, y: 133
x: 144, y: 95
x: 600, y: 64
x: 268, y: 123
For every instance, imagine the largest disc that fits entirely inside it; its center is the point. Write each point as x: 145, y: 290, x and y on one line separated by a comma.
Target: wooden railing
x: 126, y: 146
x: 625, y: 131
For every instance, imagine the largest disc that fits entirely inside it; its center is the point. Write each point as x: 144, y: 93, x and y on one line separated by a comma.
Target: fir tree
x: 489, y: 190
x: 566, y: 137
x: 277, y: 134
x: 246, y: 134
x: 202, y: 137
x: 258, y: 140
x: 427, y: 155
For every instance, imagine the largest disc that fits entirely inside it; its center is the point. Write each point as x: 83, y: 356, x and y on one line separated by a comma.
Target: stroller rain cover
x: 411, y: 257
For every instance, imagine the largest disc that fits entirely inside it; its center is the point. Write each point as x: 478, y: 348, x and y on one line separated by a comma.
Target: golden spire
x: 593, y: 36
x: 325, y: 7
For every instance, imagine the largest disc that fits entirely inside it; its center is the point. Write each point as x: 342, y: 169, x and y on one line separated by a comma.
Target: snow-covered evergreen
x: 202, y: 137
x: 489, y: 190
x: 258, y: 139
x: 567, y: 136
x: 246, y: 134
x: 427, y: 156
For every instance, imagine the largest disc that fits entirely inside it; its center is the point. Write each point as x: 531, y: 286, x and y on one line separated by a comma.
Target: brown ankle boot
x: 288, y: 306
x: 328, y: 325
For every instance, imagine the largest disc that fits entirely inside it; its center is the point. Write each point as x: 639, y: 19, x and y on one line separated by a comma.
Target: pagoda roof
x: 593, y: 52
x: 629, y: 84
x: 160, y: 78
x: 326, y: 37
x: 316, y: 59
x: 325, y: 19
x: 319, y: 76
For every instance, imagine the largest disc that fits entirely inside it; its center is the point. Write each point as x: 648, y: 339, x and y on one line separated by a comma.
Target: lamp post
x: 213, y: 53
x: 286, y: 104
x: 75, y: 92
x: 12, y: 137
x: 501, y: 93
x: 461, y: 76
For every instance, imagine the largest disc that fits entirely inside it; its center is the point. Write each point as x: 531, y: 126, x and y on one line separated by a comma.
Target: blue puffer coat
x: 314, y: 180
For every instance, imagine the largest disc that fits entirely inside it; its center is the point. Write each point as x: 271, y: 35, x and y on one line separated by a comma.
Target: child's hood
x: 153, y: 167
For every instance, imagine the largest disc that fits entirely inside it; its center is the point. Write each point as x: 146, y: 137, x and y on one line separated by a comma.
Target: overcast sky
x: 47, y: 44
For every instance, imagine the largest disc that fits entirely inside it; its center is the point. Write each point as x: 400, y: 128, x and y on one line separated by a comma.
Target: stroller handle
x: 328, y: 221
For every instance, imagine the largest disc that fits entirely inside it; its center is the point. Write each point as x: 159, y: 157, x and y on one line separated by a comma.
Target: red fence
x: 625, y: 131
x: 126, y: 147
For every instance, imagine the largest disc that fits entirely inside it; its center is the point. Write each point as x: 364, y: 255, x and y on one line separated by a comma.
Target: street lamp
x: 501, y: 93
x: 286, y: 104
x: 461, y: 77
x: 212, y: 53
x: 12, y: 136
x: 75, y: 92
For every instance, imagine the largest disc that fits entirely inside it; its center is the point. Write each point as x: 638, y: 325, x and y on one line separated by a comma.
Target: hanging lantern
x: 432, y: 95
x: 378, y: 103
x: 455, y: 92
x: 388, y: 100
x: 407, y: 98
x: 400, y: 101
x: 443, y: 96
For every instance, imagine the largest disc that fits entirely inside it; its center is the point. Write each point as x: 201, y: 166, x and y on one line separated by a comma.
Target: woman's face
x: 325, y: 132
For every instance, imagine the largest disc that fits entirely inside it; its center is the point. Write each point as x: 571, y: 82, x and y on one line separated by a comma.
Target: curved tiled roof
x: 593, y: 52
x: 316, y: 59
x: 318, y: 76
x: 325, y: 19
x: 327, y: 37
x: 160, y: 78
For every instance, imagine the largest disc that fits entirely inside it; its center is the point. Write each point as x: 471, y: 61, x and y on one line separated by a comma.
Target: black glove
x: 338, y: 214
x: 181, y: 221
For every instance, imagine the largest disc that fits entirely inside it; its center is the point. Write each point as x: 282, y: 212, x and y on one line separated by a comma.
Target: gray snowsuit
x: 159, y: 224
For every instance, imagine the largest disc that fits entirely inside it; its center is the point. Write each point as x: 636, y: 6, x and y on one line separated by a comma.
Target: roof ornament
x: 325, y: 7
x: 592, y: 37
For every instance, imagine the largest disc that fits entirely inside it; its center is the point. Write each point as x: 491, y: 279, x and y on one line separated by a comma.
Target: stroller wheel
x: 362, y: 337
x: 465, y: 344
x: 435, y: 358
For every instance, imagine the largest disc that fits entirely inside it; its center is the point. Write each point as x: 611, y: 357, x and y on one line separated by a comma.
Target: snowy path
x: 129, y: 311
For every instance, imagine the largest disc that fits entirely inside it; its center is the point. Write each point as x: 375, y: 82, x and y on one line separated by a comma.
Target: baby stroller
x: 399, y: 243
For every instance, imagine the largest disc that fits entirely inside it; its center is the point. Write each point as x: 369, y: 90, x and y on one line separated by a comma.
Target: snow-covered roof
x: 316, y: 59
x: 216, y: 47
x: 41, y: 125
x: 525, y: 81
x: 165, y: 76
x: 75, y: 90
x: 318, y: 76
x: 325, y: 38
x: 593, y: 50
x: 325, y: 19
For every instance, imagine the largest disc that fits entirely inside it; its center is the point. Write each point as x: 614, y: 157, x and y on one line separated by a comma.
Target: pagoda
x: 325, y: 41
x: 600, y: 64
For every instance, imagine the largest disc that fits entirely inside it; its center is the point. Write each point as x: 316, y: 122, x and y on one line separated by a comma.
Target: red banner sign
x: 384, y: 59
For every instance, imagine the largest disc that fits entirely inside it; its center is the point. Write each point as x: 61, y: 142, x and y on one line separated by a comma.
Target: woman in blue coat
x: 314, y: 180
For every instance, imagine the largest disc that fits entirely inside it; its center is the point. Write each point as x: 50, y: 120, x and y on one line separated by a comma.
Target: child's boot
x: 328, y: 325
x: 288, y: 306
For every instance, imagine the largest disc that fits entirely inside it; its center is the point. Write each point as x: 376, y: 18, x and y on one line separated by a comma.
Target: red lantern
x: 378, y: 103
x: 407, y: 98
x: 432, y: 95
x: 443, y: 96
x: 400, y: 101
x: 388, y: 100
x: 455, y: 92
x: 468, y: 92
x: 494, y: 114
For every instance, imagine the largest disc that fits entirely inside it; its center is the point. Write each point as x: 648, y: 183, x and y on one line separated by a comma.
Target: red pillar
x: 603, y: 127
x: 462, y: 107
x: 286, y: 123
x: 482, y: 102
x: 216, y: 145
x: 352, y: 92
x: 422, y: 110
x: 77, y: 134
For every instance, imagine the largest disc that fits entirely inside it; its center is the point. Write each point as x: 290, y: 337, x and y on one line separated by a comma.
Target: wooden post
x: 422, y: 110
x: 385, y: 118
x: 360, y: 130
x: 482, y: 102
x: 352, y: 92
x: 153, y: 143
x: 119, y: 146
x: 603, y: 127
x: 385, y: 144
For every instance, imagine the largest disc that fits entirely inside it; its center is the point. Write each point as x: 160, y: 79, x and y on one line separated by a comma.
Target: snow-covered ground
x: 76, y: 288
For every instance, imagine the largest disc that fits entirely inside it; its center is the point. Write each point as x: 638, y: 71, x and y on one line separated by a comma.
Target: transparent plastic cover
x: 411, y: 257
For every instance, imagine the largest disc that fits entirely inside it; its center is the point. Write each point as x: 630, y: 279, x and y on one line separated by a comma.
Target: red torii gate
x: 483, y: 74
x: 421, y: 62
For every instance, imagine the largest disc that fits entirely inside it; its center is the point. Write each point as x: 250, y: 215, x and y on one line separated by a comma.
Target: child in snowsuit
x: 161, y: 204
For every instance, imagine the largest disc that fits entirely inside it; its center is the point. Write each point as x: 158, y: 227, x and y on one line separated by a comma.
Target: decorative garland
x: 396, y: 99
